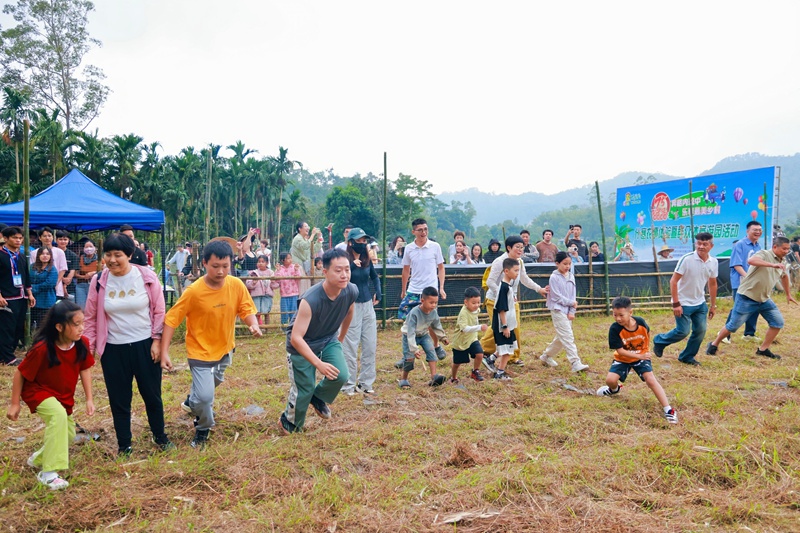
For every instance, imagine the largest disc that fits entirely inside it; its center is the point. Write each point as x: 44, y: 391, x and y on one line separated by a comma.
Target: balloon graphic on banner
x: 754, y: 214
x: 640, y: 217
x: 744, y: 201
x: 737, y: 194
x: 622, y: 215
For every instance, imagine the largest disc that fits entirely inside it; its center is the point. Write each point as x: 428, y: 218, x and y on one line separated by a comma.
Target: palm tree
x: 92, y: 156
x: 282, y: 167
x: 13, y: 113
x: 126, y: 154
x: 48, y: 133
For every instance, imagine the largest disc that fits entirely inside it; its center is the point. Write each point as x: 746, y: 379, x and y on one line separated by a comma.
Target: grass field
x: 529, y: 455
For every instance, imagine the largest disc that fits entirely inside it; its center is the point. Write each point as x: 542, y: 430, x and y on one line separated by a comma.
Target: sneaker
x: 200, y: 438
x: 404, y: 384
x: 547, y: 360
x: 518, y: 362
x: 488, y: 362
x: 285, y: 426
x: 476, y: 375
x: 196, y: 421
x: 124, y: 453
x: 32, y: 459
x: 671, y: 416
x: 501, y: 375
x: 658, y: 349
x: 726, y: 340
x: 577, y: 366
x: 440, y: 353
x: 454, y: 381
x: 692, y: 361
x: 605, y: 390
x: 363, y: 389
x: 751, y: 338
x: 187, y: 408
x: 436, y: 380
x: 54, y: 483
x: 164, y: 444
x: 711, y: 349
x: 321, y: 408
x: 768, y: 353
x: 349, y: 392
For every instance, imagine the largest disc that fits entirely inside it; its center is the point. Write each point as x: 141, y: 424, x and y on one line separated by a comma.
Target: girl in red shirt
x: 46, y: 382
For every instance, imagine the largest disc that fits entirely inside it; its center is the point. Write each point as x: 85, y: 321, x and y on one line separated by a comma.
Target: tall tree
x: 126, y: 154
x: 283, y: 166
x: 44, y: 53
x: 13, y: 113
x: 50, y: 142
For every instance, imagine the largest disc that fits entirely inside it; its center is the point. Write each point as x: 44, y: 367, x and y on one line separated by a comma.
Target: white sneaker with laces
x: 671, y: 416
x: 577, y: 366
x: 547, y: 360
x: 53, y: 483
x: 751, y: 338
x: 726, y: 340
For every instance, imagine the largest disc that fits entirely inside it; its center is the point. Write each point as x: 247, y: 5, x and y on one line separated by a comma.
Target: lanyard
x: 13, y: 256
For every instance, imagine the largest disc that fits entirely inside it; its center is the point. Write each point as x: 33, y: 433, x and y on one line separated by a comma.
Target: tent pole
x: 163, y: 263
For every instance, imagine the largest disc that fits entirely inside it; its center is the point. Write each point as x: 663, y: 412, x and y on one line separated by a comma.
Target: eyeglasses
x: 422, y: 230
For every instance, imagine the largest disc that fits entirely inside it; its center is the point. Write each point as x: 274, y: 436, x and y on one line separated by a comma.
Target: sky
x: 504, y: 96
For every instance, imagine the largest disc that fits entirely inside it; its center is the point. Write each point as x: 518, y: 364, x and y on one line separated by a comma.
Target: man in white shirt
x: 687, y: 287
x: 343, y: 245
x: 59, y: 259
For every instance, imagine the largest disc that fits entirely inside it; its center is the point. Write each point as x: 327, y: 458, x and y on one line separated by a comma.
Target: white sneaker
x: 751, y: 338
x: 726, y: 340
x: 547, y: 360
x: 577, y: 366
x: 54, y: 483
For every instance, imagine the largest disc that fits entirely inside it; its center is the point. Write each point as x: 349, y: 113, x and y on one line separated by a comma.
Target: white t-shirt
x: 695, y: 275
x: 127, y: 307
x: 424, y: 262
x: 59, y: 261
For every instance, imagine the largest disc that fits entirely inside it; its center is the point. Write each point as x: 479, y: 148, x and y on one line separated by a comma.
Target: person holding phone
x: 573, y: 237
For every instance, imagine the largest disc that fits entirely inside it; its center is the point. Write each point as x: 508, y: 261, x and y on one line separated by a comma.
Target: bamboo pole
x: 26, y: 210
x: 603, y: 235
x: 385, y: 241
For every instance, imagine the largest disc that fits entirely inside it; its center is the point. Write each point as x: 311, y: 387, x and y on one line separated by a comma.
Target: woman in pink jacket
x: 124, y: 320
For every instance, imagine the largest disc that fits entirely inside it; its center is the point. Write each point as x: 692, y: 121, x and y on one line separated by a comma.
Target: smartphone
x: 571, y: 226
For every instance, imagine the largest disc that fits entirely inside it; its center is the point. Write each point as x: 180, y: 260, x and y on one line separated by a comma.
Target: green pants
x: 59, y: 432
x: 302, y: 376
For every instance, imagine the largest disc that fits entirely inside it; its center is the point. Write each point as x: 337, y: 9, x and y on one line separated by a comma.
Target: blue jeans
x: 750, y: 323
x: 288, y: 309
x: 744, y: 308
x: 694, y: 319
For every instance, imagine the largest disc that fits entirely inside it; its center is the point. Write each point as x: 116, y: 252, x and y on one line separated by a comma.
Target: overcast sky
x: 503, y: 96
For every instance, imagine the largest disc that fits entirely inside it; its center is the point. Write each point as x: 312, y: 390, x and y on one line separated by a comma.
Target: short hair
x: 472, y: 292
x: 221, y: 249
x: 459, y: 232
x: 594, y: 242
x: 330, y: 255
x: 704, y: 236
x: 349, y: 226
x: 548, y: 231
x: 125, y: 227
x: 511, y: 240
x: 622, y: 302
x: 282, y: 257
x: 780, y: 241
x: 10, y: 231
x: 509, y: 262
x: 577, y: 226
x: 430, y: 291
x: 561, y: 255
x: 753, y: 223
x: 43, y: 230
x: 119, y: 242
x: 418, y: 222
x: 525, y: 232
x: 61, y: 233
x: 316, y: 259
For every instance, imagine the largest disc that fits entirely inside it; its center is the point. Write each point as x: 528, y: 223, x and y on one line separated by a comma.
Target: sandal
x: 404, y: 384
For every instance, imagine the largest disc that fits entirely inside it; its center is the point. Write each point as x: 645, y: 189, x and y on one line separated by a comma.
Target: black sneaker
x: 658, y: 349
x: 711, y: 349
x: 692, y: 361
x: 285, y: 426
x: 488, y: 362
x: 768, y: 353
x: 124, y: 453
x: 476, y: 375
x: 200, y: 438
x: 321, y: 408
x: 164, y: 444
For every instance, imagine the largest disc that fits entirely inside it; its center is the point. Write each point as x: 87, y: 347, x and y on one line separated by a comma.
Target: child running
x: 465, y: 339
x: 504, y: 319
x: 629, y: 337
x: 46, y: 382
x: 290, y: 288
x: 561, y: 300
x: 417, y: 339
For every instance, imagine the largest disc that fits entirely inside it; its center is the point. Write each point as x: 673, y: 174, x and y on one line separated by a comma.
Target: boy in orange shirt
x: 629, y: 337
x: 210, y: 306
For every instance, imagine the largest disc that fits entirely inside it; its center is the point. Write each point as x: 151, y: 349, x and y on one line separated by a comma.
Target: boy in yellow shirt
x: 210, y: 306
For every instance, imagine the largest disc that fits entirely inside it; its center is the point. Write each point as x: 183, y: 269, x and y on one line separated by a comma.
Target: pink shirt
x: 289, y: 287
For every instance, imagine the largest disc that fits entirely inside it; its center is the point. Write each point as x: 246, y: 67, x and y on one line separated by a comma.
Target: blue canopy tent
x: 76, y: 203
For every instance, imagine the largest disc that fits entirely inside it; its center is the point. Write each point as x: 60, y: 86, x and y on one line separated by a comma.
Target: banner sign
x: 720, y: 204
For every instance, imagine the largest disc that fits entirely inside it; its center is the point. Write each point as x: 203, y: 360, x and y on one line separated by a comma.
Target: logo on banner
x: 659, y: 207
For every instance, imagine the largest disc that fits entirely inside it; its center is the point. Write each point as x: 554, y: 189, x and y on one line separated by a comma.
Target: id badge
x: 17, y: 280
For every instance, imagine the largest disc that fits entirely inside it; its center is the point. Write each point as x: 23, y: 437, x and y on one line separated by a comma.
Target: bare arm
x: 86, y: 381
x: 346, y: 323
x: 712, y: 295
x: 677, y: 310
x: 301, y: 323
x: 442, y: 294
x: 16, y: 392
x: 404, y: 280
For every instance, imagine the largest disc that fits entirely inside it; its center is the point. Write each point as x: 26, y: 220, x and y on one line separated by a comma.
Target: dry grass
x: 530, y: 455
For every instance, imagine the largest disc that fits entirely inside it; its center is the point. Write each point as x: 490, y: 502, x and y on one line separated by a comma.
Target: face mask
x: 360, y: 247
x: 89, y: 250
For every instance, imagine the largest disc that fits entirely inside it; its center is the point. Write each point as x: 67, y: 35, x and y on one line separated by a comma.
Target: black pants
x: 121, y: 363
x: 12, y: 328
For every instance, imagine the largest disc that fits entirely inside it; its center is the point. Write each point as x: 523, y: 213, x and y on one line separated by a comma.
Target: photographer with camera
x: 573, y: 237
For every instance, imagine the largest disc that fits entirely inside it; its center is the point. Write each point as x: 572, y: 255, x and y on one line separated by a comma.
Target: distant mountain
x: 494, y: 208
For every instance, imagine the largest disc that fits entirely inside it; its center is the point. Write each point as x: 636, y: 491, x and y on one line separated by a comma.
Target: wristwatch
x: 504, y: 326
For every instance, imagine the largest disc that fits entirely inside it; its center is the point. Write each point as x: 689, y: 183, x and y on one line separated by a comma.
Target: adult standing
x: 363, y: 328
x: 742, y: 251
x: 530, y: 254
x: 124, y: 321
x: 15, y: 294
x: 68, y: 280
x: 138, y: 257
x: 343, y: 245
x: 179, y: 260
x: 59, y: 259
x: 396, y: 250
x: 493, y: 251
x: 87, y: 268
x: 301, y: 250
x: 514, y: 250
x: 687, y: 286
x: 546, y: 247
x: 754, y: 296
x: 573, y: 236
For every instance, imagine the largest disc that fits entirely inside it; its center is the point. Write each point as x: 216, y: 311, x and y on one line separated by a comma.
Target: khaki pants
x: 487, y: 342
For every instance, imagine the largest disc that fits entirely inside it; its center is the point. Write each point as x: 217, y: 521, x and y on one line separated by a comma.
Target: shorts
x: 622, y: 369
x: 423, y: 341
x: 408, y: 303
x: 462, y: 356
